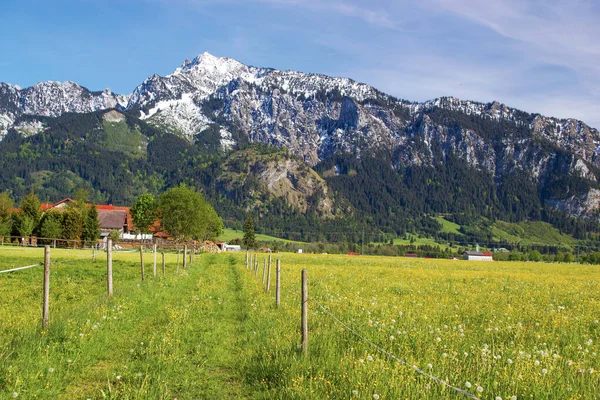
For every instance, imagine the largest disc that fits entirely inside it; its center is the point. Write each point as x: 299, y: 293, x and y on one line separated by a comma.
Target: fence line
x: 20, y: 268
x: 390, y: 355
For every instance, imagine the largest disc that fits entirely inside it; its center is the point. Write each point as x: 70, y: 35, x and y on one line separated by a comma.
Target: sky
x: 540, y: 56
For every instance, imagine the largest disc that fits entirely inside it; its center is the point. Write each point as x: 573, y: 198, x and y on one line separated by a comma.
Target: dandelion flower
x: 15, y: 395
x: 355, y: 392
x: 50, y: 370
x: 509, y: 361
x: 479, y: 389
x: 498, y: 398
x: 544, y: 371
x: 513, y: 397
x: 536, y: 362
x: 375, y: 396
x: 468, y: 385
x: 369, y: 358
x: 429, y: 366
x: 118, y: 377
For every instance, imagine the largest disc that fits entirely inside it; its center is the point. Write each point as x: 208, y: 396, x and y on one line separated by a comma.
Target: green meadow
x: 494, y: 330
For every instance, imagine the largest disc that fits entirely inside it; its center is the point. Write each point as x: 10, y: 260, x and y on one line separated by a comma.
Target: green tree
x: 144, y: 212
x: 6, y: 209
x: 81, y: 196
x: 91, y: 226
x: 72, y: 224
x: 534, y: 255
x: 25, y: 225
x: 51, y: 224
x: 249, y: 239
x: 186, y: 215
x: 31, y: 208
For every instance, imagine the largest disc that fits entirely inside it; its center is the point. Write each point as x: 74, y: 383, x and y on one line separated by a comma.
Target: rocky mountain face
x: 315, y: 116
x: 275, y: 175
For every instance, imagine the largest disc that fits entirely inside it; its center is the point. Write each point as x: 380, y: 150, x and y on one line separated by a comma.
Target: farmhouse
x: 478, y: 255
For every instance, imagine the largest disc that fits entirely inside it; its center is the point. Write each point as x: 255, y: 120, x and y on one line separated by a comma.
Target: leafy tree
x: 249, y: 239
x: 534, y: 255
x: 30, y: 208
x: 25, y: 225
x: 6, y: 206
x: 72, y: 224
x: 82, y: 196
x: 186, y: 215
x: 91, y: 226
x: 144, y: 212
x: 51, y: 225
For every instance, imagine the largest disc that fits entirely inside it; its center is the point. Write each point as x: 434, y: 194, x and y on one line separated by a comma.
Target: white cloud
x: 557, y: 32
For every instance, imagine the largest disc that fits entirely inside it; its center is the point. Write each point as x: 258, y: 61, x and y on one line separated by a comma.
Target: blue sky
x: 539, y: 56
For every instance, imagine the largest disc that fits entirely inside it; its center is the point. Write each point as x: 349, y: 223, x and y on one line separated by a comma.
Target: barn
x: 478, y: 256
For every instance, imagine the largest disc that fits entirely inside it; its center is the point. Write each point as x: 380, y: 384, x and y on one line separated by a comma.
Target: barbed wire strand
x: 390, y: 355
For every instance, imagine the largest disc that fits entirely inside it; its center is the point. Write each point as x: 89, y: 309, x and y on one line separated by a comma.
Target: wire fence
x: 21, y: 268
x: 253, y: 265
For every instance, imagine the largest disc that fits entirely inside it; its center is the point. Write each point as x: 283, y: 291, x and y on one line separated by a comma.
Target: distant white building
x: 299, y: 251
x: 478, y: 256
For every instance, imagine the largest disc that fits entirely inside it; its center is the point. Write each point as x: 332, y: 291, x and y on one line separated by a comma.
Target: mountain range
x: 346, y: 148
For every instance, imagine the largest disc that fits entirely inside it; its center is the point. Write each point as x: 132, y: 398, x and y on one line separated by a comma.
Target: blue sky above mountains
x: 539, y: 56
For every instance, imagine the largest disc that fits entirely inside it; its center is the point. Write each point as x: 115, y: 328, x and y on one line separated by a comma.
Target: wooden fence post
x: 278, y: 284
x: 93, y: 252
x: 46, y: 301
x: 178, y: 253
x: 154, y: 269
x: 246, y: 254
x: 142, y: 262
x: 109, y: 280
x: 268, y: 278
x: 163, y: 263
x: 264, y: 272
x: 184, y: 256
x: 304, y: 313
x: 54, y: 243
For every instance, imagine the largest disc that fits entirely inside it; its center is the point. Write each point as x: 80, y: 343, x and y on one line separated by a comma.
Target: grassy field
x: 448, y: 226
x: 528, y: 330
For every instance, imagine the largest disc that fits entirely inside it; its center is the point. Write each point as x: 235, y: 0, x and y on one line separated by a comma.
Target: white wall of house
x: 479, y: 258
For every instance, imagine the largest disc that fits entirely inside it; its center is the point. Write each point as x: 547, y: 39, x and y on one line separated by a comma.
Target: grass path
x: 176, y: 337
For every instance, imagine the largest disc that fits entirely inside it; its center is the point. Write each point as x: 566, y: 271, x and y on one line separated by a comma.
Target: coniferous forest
x: 371, y: 195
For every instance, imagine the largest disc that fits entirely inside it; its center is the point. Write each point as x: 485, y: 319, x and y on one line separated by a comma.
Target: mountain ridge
x: 315, y: 117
